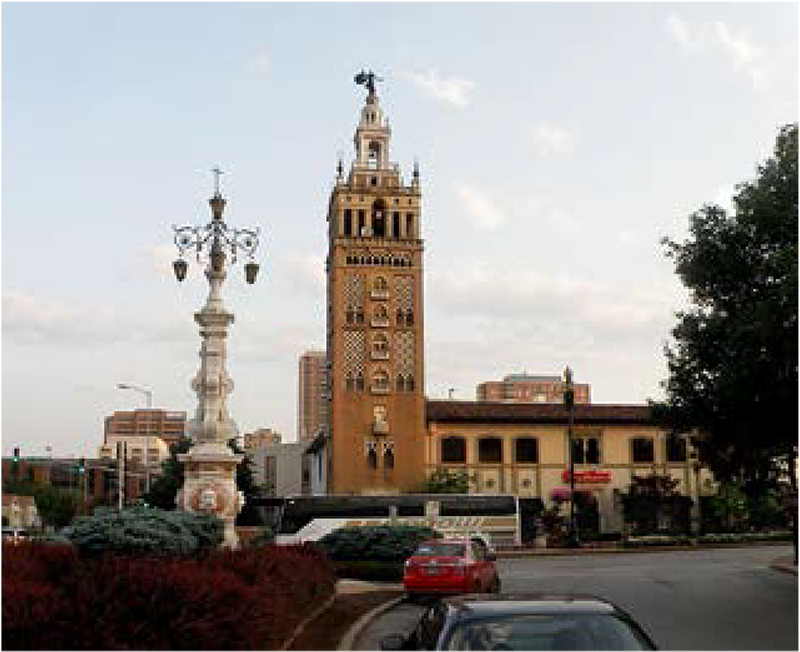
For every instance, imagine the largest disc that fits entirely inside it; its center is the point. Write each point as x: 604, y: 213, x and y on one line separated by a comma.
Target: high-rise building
x: 376, y: 423
x: 525, y: 388
x: 311, y: 399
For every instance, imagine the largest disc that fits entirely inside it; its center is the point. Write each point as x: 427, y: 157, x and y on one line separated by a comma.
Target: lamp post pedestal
x: 209, y: 486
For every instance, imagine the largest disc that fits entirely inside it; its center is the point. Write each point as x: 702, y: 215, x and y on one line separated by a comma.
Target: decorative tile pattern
x: 404, y: 352
x: 354, y: 290
x: 404, y: 292
x: 354, y: 353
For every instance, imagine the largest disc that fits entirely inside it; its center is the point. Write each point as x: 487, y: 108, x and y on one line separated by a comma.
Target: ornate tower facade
x: 374, y: 325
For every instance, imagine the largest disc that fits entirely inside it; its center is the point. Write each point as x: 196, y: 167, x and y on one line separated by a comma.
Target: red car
x: 451, y: 566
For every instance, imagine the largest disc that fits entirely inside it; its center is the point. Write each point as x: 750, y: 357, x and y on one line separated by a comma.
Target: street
x: 716, y: 599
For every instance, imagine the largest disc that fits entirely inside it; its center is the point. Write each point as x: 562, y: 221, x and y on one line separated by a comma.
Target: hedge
x: 385, y: 543
x: 143, y: 530
x: 246, y: 599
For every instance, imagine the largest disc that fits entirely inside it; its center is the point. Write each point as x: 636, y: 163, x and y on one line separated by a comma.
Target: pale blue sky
x: 557, y: 144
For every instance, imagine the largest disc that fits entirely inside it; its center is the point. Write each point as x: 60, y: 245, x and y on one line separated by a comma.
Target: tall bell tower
x: 374, y: 323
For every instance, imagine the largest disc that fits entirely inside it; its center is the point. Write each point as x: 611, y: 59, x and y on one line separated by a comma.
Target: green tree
x: 164, y: 488
x: 56, y: 506
x: 443, y: 481
x: 653, y: 501
x: 732, y: 366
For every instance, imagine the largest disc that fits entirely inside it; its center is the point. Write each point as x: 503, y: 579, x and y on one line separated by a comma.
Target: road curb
x: 567, y: 552
x: 785, y: 567
x: 356, y: 628
x: 303, y: 623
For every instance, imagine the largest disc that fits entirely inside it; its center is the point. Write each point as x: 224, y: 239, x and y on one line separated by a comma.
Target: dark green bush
x: 386, y: 543
x: 142, y: 530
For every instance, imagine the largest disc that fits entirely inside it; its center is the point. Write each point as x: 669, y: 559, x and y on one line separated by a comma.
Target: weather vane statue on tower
x: 368, y: 79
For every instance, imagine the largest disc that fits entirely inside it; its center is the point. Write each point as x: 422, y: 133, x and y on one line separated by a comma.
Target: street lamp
x: 569, y: 401
x: 149, y: 396
x: 210, y: 466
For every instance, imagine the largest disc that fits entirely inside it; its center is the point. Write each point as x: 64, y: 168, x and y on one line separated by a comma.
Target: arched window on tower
x: 388, y: 460
x: 380, y: 347
x: 395, y: 225
x: 372, y: 459
x: 373, y: 154
x: 348, y: 222
x: 359, y: 380
x: 380, y: 380
x: 379, y: 219
x: 410, y: 231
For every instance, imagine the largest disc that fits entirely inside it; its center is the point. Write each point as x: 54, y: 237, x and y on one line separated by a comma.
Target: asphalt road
x: 720, y: 599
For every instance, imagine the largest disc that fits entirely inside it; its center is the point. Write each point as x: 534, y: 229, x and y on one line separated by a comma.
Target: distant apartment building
x: 311, y: 400
x: 167, y: 426
x: 261, y: 437
x: 525, y: 388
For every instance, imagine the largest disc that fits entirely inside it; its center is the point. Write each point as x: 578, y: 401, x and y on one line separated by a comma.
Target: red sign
x: 588, y: 476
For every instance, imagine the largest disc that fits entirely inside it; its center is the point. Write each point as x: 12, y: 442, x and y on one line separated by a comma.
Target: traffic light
x: 82, y: 466
x: 16, y: 454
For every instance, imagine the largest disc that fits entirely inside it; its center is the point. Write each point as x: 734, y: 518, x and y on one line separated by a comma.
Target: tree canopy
x: 732, y: 364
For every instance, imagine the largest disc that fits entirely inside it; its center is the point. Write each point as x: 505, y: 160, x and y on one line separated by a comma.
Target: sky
x: 558, y: 143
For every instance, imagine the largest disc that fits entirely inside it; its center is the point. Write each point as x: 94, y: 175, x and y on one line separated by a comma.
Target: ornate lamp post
x: 569, y: 401
x: 210, y: 465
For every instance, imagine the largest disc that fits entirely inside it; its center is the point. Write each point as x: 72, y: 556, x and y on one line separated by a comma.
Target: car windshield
x: 546, y: 632
x: 440, y: 550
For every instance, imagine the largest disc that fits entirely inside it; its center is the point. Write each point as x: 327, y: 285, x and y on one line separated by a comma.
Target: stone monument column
x: 210, y: 465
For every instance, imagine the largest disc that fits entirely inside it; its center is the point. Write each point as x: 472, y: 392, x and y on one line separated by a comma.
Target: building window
x: 359, y: 380
x: 380, y: 380
x: 642, y: 449
x: 380, y: 284
x: 676, y: 448
x: 348, y: 222
x: 388, y: 460
x: 586, y: 450
x: 454, y: 450
x: 372, y: 459
x: 526, y: 450
x: 490, y: 450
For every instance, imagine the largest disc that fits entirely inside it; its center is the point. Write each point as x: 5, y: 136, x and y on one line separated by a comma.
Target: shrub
x: 388, y: 543
x: 248, y: 599
x: 142, y: 530
x: 32, y: 561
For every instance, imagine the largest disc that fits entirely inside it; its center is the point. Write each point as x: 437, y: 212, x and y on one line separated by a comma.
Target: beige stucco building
x: 522, y: 449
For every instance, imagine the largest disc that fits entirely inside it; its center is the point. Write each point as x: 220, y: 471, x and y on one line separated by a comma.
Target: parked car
x: 14, y: 534
x: 443, y: 566
x: 523, y: 622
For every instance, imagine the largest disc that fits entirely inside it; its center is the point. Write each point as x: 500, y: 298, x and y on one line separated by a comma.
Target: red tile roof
x: 495, y: 412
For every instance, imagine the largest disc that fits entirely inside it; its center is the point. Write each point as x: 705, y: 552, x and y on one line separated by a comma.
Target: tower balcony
x: 378, y: 322
x: 379, y: 294
x: 379, y: 355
